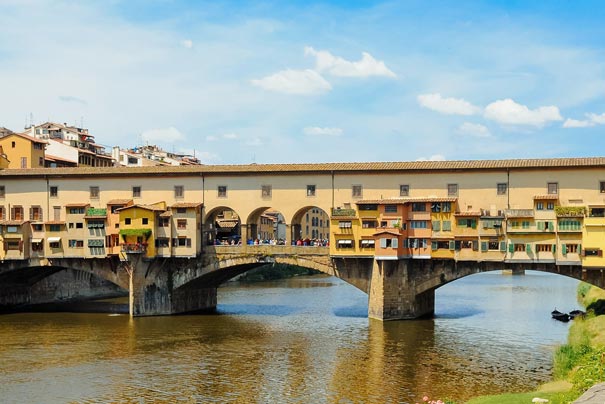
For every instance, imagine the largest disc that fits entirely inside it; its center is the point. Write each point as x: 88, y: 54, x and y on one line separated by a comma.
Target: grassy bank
x: 271, y: 272
x: 579, y: 364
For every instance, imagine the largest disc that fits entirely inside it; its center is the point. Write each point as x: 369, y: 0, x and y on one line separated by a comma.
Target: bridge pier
x: 393, y: 294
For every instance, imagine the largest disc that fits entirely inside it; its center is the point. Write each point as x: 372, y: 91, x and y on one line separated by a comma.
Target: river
x: 299, y: 340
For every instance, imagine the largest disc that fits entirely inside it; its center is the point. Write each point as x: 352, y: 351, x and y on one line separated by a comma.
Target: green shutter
x: 511, y: 248
x: 433, y: 245
x: 551, y: 226
x: 474, y: 223
x: 436, y: 225
x: 579, y: 249
x: 452, y: 245
x: 554, y: 248
x: 475, y: 245
x: 484, y: 246
x: 528, y: 248
x: 564, y: 249
x: 540, y: 225
x: 503, y: 246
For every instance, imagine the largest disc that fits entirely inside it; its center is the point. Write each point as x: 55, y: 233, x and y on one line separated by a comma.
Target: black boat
x: 576, y: 313
x: 557, y: 315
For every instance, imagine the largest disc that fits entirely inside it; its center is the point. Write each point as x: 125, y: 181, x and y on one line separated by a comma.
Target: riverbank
x: 578, y: 365
x: 272, y: 272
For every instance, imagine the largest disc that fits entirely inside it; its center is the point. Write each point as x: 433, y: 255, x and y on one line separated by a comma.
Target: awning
x: 347, y: 242
x: 36, y: 240
x: 368, y: 242
x: 54, y: 239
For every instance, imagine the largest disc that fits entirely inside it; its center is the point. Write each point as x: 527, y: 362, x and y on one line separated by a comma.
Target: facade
x: 150, y: 155
x: 23, y: 151
x: 517, y: 211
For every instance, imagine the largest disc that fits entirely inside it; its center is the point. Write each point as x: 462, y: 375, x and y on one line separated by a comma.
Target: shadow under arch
x: 30, y: 286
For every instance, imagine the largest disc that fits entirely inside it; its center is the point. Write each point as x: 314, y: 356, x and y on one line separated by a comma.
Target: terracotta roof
x: 50, y: 157
x: 186, y: 205
x: 168, y: 213
x: 54, y: 222
x: 76, y: 205
x: 146, y: 207
x: 468, y: 214
x: 119, y: 201
x: 546, y: 197
x: 30, y: 138
x: 395, y: 201
x: 452, y: 165
x: 13, y: 222
x: 387, y: 231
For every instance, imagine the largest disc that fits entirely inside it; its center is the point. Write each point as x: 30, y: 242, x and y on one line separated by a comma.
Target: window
x: 23, y: 162
x: 539, y: 206
x: 356, y: 191
x: 76, y: 211
x: 76, y: 244
x: 2, y: 213
x: 565, y: 224
x: 41, y: 161
x: 418, y: 207
x: 468, y: 223
x: 501, y: 188
x: 543, y: 247
x: 553, y: 188
x: 367, y: 207
x: 96, y: 224
x: 136, y: 192
x: 35, y: 213
x: 345, y: 224
x: 17, y: 213
x: 38, y: 227
x: 13, y: 145
x: 452, y: 189
x: 179, y: 191
x: 367, y: 243
x: 597, y: 212
x: 57, y: 213
x: 266, y: 191
x: 181, y: 210
x: 127, y: 220
x: 569, y: 248
x: 466, y: 244
x: 94, y: 192
x: 519, y: 247
x: 2, y: 191
x: 37, y: 246
x: 525, y: 224
x: 54, y: 192
x: 79, y: 225
x: 164, y: 221
x: 446, y: 225
x: 181, y: 224
x: 221, y: 191
x: 54, y: 228
x: 13, y: 245
x: 493, y: 245
x: 390, y: 208
x: 550, y: 206
x: 145, y: 220
x: 435, y: 207
x: 369, y: 224
x: 602, y: 187
x: 181, y: 242
x: 404, y: 190
x: 162, y: 242
x: 344, y: 244
x: 436, y: 225
x: 310, y: 190
x: 593, y: 252
x: 418, y: 224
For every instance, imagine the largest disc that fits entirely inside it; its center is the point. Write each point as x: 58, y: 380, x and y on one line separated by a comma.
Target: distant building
x: 23, y: 151
x: 70, y: 146
x: 315, y: 224
x: 151, y: 155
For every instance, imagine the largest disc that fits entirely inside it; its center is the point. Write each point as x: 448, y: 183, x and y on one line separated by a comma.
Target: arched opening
x: 311, y: 226
x: 267, y: 226
x: 222, y: 225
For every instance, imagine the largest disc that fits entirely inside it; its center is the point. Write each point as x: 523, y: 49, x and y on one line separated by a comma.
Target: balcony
x: 519, y: 213
x: 134, y: 248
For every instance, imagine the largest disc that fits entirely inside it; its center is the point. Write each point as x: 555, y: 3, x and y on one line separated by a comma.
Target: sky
x: 237, y: 82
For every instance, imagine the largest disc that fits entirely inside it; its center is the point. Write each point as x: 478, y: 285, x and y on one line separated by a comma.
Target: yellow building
x: 593, y: 238
x: 23, y: 151
x: 137, y: 228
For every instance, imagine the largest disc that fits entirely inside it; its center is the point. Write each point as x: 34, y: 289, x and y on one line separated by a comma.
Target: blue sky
x: 290, y: 82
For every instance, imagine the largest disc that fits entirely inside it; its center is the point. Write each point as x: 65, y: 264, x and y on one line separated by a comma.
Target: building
x: 23, y: 151
x: 150, y: 155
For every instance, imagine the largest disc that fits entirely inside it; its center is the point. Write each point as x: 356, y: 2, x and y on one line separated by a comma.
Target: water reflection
x: 296, y: 341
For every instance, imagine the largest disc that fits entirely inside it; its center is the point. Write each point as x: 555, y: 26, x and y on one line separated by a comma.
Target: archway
x: 222, y: 225
x: 266, y: 225
x: 311, y: 225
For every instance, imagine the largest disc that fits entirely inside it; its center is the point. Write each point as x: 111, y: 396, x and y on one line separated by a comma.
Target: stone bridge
x: 397, y: 289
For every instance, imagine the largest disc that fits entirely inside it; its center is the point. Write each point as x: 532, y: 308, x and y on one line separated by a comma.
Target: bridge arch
x: 221, y: 223
x: 313, y: 216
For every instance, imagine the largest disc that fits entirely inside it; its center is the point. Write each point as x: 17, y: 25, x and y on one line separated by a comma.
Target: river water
x: 301, y: 340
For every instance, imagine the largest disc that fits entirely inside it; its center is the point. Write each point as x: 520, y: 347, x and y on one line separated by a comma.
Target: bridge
x: 397, y: 231
x: 402, y: 289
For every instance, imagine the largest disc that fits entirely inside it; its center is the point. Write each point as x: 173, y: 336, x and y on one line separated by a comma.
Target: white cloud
x: 337, y: 66
x: 593, y: 119
x: 211, y: 138
x: 255, y: 141
x: 70, y: 98
x: 187, y: 43
x: 450, y: 106
x: 574, y: 123
x: 230, y: 136
x: 294, y: 82
x: 508, y: 112
x: 164, y: 135
x: 317, y: 131
x: 434, y: 157
x: 474, y: 129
